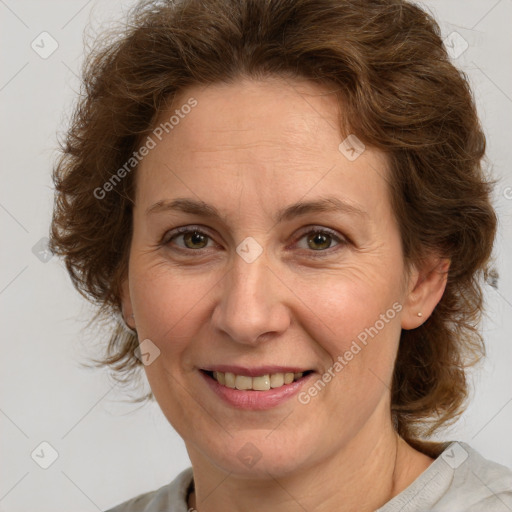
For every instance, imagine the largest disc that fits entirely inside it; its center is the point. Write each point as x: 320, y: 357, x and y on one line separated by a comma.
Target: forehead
x: 271, y: 137
x: 272, y: 112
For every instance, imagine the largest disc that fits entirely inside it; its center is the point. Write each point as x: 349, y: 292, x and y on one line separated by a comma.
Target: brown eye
x: 195, y: 240
x: 191, y: 239
x: 319, y: 240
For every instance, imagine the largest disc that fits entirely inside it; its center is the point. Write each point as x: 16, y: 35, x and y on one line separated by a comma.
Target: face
x: 262, y: 283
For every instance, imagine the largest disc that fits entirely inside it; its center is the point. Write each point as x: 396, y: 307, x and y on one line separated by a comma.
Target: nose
x: 252, y: 307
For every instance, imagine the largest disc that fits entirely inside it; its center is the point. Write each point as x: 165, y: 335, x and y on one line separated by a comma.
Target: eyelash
x: 342, y: 241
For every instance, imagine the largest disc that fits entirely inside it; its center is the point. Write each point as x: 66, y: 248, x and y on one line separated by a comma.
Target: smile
x: 258, y: 392
x: 258, y: 383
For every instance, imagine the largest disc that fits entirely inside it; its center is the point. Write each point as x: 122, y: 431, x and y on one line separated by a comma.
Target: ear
x: 425, y: 287
x: 126, y: 304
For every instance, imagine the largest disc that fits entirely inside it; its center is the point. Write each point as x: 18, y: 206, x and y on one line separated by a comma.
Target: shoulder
x: 459, y: 480
x: 478, y: 484
x: 168, y: 498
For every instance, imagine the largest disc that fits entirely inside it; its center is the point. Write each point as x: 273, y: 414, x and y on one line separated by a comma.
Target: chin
x: 256, y: 455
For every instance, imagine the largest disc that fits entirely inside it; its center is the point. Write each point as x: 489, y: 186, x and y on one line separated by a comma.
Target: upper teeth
x: 260, y: 383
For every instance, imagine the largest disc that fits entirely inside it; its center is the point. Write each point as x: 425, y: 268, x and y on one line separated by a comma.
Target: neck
x: 362, y: 477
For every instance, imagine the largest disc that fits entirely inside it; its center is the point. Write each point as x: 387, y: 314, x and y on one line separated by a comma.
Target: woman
x: 284, y: 202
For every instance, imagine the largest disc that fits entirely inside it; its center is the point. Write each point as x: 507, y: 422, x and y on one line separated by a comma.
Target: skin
x: 251, y: 148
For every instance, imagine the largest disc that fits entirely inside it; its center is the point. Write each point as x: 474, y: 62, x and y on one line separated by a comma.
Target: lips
x: 255, y: 393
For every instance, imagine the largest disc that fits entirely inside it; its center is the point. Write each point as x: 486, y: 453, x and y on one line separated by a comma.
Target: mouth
x: 263, y: 382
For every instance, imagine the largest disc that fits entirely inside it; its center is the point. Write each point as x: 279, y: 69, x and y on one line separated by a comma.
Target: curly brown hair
x: 400, y: 94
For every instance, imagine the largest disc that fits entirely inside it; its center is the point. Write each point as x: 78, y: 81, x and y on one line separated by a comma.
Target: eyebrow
x: 325, y: 204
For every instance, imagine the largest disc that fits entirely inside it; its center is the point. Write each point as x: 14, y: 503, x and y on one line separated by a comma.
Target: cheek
x: 350, y: 304
x: 356, y: 322
x: 170, y: 311
x: 168, y: 304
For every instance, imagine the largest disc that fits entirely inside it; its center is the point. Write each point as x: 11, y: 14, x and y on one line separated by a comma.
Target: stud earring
x: 420, y: 314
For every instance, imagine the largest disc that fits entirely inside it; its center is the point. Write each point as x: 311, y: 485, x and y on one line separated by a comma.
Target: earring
x: 420, y: 314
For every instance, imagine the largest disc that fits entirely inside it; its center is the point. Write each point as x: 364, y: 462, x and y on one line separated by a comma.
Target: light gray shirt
x: 459, y: 480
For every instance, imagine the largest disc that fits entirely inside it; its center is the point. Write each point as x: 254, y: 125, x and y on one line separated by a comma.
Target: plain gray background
x: 109, y: 450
